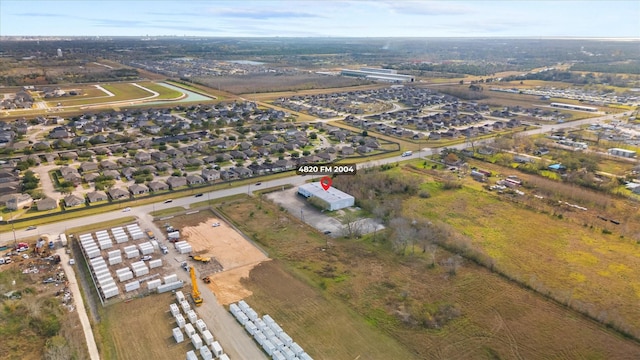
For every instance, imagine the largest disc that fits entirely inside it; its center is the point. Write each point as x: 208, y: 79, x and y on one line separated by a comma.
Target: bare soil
x: 232, y: 257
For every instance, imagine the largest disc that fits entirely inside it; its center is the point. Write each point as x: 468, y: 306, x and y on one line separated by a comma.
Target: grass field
x: 122, y: 92
x: 496, y: 319
x: 140, y: 329
x: 165, y: 92
x: 577, y: 263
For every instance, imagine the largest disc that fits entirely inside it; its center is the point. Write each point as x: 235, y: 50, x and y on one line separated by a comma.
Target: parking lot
x: 298, y: 206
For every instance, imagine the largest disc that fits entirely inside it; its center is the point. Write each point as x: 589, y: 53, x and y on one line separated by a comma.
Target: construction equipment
x: 203, y: 259
x: 195, y: 293
x: 207, y: 280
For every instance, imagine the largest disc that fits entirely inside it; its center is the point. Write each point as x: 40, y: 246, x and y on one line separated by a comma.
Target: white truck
x: 407, y: 153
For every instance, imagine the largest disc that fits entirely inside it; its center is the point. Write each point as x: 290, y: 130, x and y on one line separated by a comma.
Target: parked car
x: 127, y: 209
x: 32, y: 227
x: 168, y: 201
x: 258, y: 183
x: 146, y: 258
x: 199, y: 195
x: 215, y: 224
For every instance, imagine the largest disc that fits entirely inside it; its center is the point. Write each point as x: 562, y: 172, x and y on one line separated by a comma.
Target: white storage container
x: 170, y: 278
x: 134, y: 285
x: 180, y: 321
x: 185, y: 306
x: 191, y: 315
x: 191, y: 355
x: 196, y: 341
x: 179, y: 295
x: 207, y: 336
x: 155, y: 263
x: 206, y: 353
x: 125, y: 276
x: 178, y: 335
x: 152, y: 284
x: 297, y: 349
x: 115, y: 260
x: 201, y: 326
x: 175, y: 310
x: 189, y: 330
x: 216, y: 349
x: 268, y: 347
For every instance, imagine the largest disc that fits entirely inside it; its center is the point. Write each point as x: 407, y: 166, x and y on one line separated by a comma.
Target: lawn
x: 165, y: 92
x: 356, y: 282
x: 122, y: 92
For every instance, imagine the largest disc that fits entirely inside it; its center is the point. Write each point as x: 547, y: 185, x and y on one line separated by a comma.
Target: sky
x: 328, y: 18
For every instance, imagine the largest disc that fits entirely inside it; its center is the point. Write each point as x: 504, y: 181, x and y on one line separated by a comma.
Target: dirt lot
x: 232, y: 255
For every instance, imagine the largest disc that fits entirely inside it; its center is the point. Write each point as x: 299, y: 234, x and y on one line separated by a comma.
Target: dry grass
x: 497, y: 318
x: 569, y: 257
x: 141, y: 329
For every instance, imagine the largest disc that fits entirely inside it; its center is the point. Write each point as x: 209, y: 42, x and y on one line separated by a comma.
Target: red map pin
x: 326, y: 183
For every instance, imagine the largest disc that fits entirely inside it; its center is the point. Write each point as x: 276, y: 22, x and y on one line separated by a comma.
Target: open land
x: 496, y: 318
x: 263, y: 83
x: 571, y: 256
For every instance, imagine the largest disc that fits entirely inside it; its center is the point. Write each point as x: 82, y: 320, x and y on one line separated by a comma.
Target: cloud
x: 429, y: 8
x: 262, y: 14
x: 49, y: 15
x: 119, y: 23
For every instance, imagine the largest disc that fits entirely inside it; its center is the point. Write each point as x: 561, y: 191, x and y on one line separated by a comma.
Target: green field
x: 165, y: 92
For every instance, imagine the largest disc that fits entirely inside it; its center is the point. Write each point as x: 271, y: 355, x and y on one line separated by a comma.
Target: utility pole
x: 15, y: 241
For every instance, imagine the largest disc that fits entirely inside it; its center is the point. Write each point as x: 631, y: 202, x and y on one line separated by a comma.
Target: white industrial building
x: 622, y: 152
x: 388, y: 75
x: 334, y: 198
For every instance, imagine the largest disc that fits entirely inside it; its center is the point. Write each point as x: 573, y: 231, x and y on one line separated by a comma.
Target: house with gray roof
x: 73, y: 200
x: 176, y: 181
x: 194, y: 179
x: 210, y: 174
x: 158, y: 186
x: 96, y: 196
x: 117, y: 193
x: 46, y: 204
x: 138, y: 189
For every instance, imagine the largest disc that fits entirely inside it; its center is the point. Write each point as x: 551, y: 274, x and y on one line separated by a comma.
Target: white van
x: 407, y: 153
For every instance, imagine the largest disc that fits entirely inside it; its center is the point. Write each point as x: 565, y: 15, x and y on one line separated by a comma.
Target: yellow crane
x: 195, y: 293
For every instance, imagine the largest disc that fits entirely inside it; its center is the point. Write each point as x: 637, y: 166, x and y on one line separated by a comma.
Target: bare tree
x: 352, y: 226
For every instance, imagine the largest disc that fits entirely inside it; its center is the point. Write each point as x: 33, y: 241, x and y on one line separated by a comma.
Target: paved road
x: 77, y: 300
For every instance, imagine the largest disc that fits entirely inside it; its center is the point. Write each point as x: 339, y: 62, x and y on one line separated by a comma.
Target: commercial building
x: 388, y: 75
x: 334, y: 198
x: 573, y: 107
x: 622, y: 152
